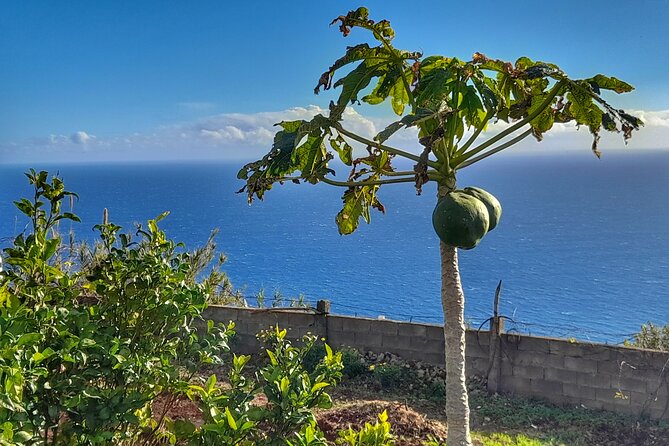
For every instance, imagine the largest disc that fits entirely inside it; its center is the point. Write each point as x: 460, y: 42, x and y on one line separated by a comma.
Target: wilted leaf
x: 357, y: 203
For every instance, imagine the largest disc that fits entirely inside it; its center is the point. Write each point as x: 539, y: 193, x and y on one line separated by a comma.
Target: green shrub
x: 393, y: 376
x: 86, y: 345
x: 313, y: 356
x: 291, y: 391
x: 651, y: 336
x: 354, y: 363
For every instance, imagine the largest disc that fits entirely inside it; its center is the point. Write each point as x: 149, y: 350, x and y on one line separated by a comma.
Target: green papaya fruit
x: 491, y: 203
x: 460, y: 220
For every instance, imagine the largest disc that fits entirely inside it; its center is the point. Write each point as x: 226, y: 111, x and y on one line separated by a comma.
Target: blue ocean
x: 582, y: 247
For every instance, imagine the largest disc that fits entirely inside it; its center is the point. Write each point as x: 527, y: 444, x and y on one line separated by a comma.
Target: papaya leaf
x: 609, y: 123
x: 434, y: 87
x: 609, y: 83
x: 471, y: 107
x: 355, y: 81
x: 543, y: 122
x: 411, y: 120
x: 357, y: 203
x: 487, y: 94
x: 287, y: 157
x: 353, y: 54
x: 583, y: 109
x: 400, y: 95
x: 343, y: 148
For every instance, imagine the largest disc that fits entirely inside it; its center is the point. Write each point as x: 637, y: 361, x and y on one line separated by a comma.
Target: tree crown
x: 450, y: 102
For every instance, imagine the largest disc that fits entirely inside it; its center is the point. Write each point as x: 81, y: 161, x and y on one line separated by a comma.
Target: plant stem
x: 494, y: 150
x: 475, y: 135
x: 546, y: 103
x: 392, y: 150
x: 367, y: 182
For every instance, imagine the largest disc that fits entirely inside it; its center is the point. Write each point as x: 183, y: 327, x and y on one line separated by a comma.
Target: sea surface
x: 582, y: 247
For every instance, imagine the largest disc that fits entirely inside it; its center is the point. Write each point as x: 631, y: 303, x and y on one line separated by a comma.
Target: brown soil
x: 410, y: 427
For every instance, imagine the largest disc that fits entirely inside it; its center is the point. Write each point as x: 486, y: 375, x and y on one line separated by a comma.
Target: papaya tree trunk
x: 453, y: 304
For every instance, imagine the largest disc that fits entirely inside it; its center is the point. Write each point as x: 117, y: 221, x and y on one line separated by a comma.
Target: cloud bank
x: 239, y: 136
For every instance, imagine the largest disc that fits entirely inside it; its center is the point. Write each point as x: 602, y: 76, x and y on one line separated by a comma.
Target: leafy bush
x: 354, y: 363
x: 393, y: 376
x: 291, y: 391
x: 85, y: 351
x: 652, y: 336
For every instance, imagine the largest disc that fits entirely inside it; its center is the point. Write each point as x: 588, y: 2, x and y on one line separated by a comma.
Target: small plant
x: 354, y: 363
x: 292, y: 393
x: 652, y: 337
x: 392, y: 376
x: 377, y: 434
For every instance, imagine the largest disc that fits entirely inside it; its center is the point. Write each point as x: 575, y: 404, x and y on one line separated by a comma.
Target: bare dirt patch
x: 409, y: 426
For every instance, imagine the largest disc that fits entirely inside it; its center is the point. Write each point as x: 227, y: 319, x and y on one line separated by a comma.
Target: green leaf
x: 342, y: 148
x: 231, y: 420
x: 318, y: 386
x: 28, y: 338
x: 472, y: 107
x: 400, y: 95
x: 354, y: 82
x: 435, y: 87
x: 544, y: 121
x: 407, y: 121
x: 610, y: 83
x: 357, y: 202
x: 583, y: 109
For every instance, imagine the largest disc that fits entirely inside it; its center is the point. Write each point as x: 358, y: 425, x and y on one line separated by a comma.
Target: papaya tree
x: 450, y: 103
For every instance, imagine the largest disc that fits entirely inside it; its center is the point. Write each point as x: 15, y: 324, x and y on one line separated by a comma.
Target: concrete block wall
x: 598, y: 376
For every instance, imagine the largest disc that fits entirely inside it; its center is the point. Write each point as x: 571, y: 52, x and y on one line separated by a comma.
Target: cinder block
x: 524, y: 358
x: 434, y: 331
x: 645, y: 400
x: 477, y: 351
x: 580, y: 364
x: 594, y: 381
x: 545, y: 388
x: 437, y: 359
x: 597, y: 352
x: 475, y: 337
x: 506, y: 368
x: 342, y: 338
x: 220, y: 314
x: 578, y: 393
x: 335, y: 323
x: 612, y: 367
x: 356, y: 325
x: 562, y: 375
x: 369, y: 341
x: 390, y: 343
x: 590, y: 404
x: 529, y: 371
x: 389, y: 328
x: 631, y: 384
x: 516, y: 385
x: 427, y: 345
x: 532, y: 344
x: 412, y: 330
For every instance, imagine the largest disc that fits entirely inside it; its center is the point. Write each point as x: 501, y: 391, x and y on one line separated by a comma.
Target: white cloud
x: 81, y: 137
x: 249, y: 135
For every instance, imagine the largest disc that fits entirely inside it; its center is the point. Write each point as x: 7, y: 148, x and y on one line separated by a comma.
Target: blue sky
x: 109, y: 80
